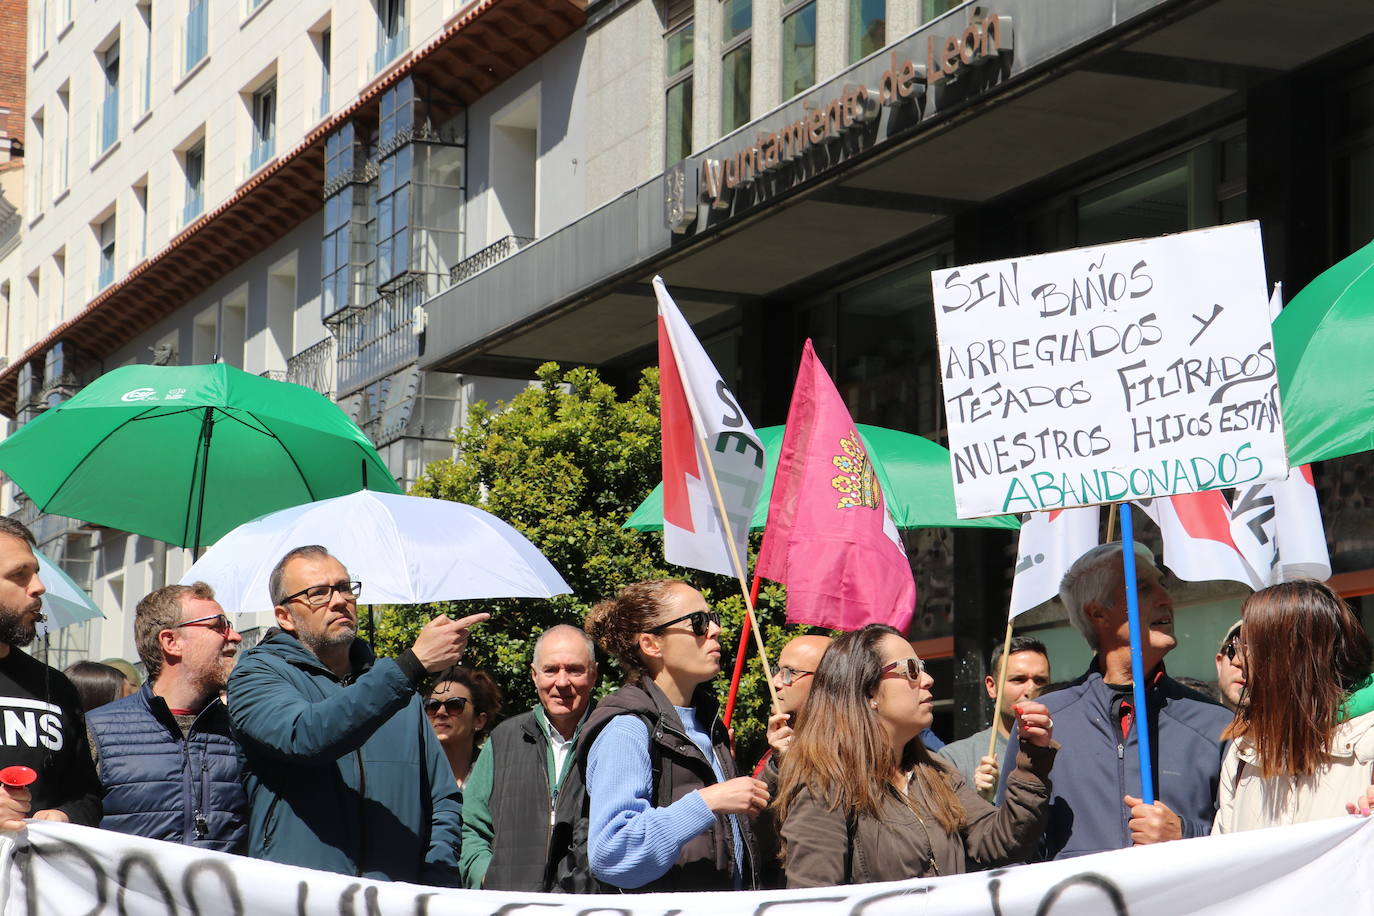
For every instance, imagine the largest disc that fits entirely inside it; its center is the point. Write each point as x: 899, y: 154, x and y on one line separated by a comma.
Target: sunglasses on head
x: 910, y: 668
x: 701, y: 622
x: 453, y: 705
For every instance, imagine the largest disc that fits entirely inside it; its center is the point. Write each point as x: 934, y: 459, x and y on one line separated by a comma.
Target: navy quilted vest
x: 166, y: 787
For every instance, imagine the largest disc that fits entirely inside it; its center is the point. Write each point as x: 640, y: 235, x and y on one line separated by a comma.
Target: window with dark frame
x: 679, y: 50
x: 798, y: 47
x: 867, y: 27
x: 737, y: 20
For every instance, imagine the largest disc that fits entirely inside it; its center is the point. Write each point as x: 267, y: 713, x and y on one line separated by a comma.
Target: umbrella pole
x: 207, y: 430
x: 739, y: 656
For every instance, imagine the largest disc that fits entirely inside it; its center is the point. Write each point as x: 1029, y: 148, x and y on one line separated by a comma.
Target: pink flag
x: 830, y: 538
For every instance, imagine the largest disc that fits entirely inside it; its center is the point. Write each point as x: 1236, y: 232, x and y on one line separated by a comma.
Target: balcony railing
x: 379, y: 338
x: 313, y: 367
x: 109, y: 119
x: 196, y: 35
x: 389, y: 47
x: 493, y: 254
x: 262, y: 153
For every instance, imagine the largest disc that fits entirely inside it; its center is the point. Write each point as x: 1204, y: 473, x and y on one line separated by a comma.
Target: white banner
x: 1325, y: 866
x: 1136, y: 370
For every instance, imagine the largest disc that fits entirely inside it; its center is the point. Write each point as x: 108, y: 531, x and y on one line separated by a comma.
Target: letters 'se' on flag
x: 830, y: 537
x: 697, y: 407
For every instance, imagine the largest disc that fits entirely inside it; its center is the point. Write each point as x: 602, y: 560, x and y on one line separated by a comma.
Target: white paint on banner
x: 1135, y: 370
x: 62, y: 869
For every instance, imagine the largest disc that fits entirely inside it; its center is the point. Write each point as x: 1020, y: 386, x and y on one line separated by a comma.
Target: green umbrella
x: 185, y: 453
x: 1323, y: 343
x: 914, y: 473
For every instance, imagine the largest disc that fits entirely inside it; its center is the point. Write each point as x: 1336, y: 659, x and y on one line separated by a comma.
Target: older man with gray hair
x: 524, y: 821
x: 1096, y: 802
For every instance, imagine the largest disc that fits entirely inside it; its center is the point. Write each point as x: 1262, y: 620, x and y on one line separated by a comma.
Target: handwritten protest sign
x: 1128, y: 371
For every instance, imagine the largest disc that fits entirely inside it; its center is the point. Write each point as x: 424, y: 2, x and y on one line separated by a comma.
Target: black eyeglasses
x: 217, y: 622
x: 910, y: 668
x: 453, y: 705
x: 701, y: 622
x: 790, y: 675
x: 319, y: 595
x: 1233, y: 647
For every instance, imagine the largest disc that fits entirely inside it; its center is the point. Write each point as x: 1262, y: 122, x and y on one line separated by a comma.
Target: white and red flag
x: 1050, y: 542
x: 1197, y: 537
x: 1277, y: 526
x: 830, y: 537
x: 698, y: 411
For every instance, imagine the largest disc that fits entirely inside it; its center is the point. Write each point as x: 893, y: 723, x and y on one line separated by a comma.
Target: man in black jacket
x: 43, y: 727
x: 523, y: 822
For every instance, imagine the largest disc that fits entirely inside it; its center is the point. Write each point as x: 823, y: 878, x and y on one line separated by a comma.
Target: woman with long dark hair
x: 668, y: 811
x: 462, y: 707
x: 860, y: 799
x: 1303, y: 736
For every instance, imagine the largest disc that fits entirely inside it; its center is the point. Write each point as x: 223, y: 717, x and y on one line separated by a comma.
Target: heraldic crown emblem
x: 857, y: 484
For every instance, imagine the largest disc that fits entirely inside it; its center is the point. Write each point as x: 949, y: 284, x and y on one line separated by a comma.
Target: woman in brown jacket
x: 860, y: 798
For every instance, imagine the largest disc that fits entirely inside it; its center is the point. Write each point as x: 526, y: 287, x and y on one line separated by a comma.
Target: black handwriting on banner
x: 137, y: 883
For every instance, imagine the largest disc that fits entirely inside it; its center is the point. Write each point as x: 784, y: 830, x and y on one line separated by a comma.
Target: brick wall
x: 13, y: 65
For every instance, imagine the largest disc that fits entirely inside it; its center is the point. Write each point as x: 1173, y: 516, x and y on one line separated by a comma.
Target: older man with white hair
x: 1096, y: 802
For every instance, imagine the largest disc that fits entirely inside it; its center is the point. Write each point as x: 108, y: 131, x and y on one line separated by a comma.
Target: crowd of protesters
x: 310, y: 751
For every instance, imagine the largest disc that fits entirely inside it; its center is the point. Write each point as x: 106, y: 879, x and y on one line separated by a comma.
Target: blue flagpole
x: 1142, y: 718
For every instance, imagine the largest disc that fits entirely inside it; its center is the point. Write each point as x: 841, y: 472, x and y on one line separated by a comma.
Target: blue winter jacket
x: 343, y: 775
x: 1097, y: 767
x: 166, y: 786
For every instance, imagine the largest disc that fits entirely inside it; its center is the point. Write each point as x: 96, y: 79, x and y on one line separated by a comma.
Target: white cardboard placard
x: 1134, y: 370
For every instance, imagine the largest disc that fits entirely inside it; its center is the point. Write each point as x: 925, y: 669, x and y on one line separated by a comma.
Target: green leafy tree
x: 565, y: 462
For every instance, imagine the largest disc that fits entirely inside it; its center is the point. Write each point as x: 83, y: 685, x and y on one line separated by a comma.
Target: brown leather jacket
x: 827, y: 847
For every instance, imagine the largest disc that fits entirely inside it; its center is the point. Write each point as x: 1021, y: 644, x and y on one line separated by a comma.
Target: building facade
x: 278, y: 186
x: 409, y: 204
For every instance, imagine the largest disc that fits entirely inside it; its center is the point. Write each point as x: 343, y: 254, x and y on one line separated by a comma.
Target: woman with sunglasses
x: 462, y: 707
x: 668, y: 811
x: 1303, y: 738
x: 861, y: 799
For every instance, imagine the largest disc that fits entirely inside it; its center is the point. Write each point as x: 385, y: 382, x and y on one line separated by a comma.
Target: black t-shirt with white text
x: 41, y: 726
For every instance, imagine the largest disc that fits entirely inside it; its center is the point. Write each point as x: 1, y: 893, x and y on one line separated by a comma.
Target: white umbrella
x: 404, y: 549
x: 64, y: 602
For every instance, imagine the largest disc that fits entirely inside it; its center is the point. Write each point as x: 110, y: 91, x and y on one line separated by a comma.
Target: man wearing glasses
x: 342, y: 769
x: 166, y: 755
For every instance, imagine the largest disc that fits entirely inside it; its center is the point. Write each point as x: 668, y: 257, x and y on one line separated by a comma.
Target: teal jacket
x: 343, y: 775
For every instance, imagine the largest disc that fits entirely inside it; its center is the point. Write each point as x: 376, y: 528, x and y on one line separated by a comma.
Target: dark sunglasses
x: 1233, y: 648
x: 453, y: 705
x: 910, y: 668
x: 701, y: 622
x: 217, y: 622
x: 790, y: 675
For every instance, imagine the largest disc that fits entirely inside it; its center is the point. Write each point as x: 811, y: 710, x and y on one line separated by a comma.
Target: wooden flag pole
x: 1112, y: 511
x: 1001, y: 681
x: 739, y: 567
x: 729, y: 533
